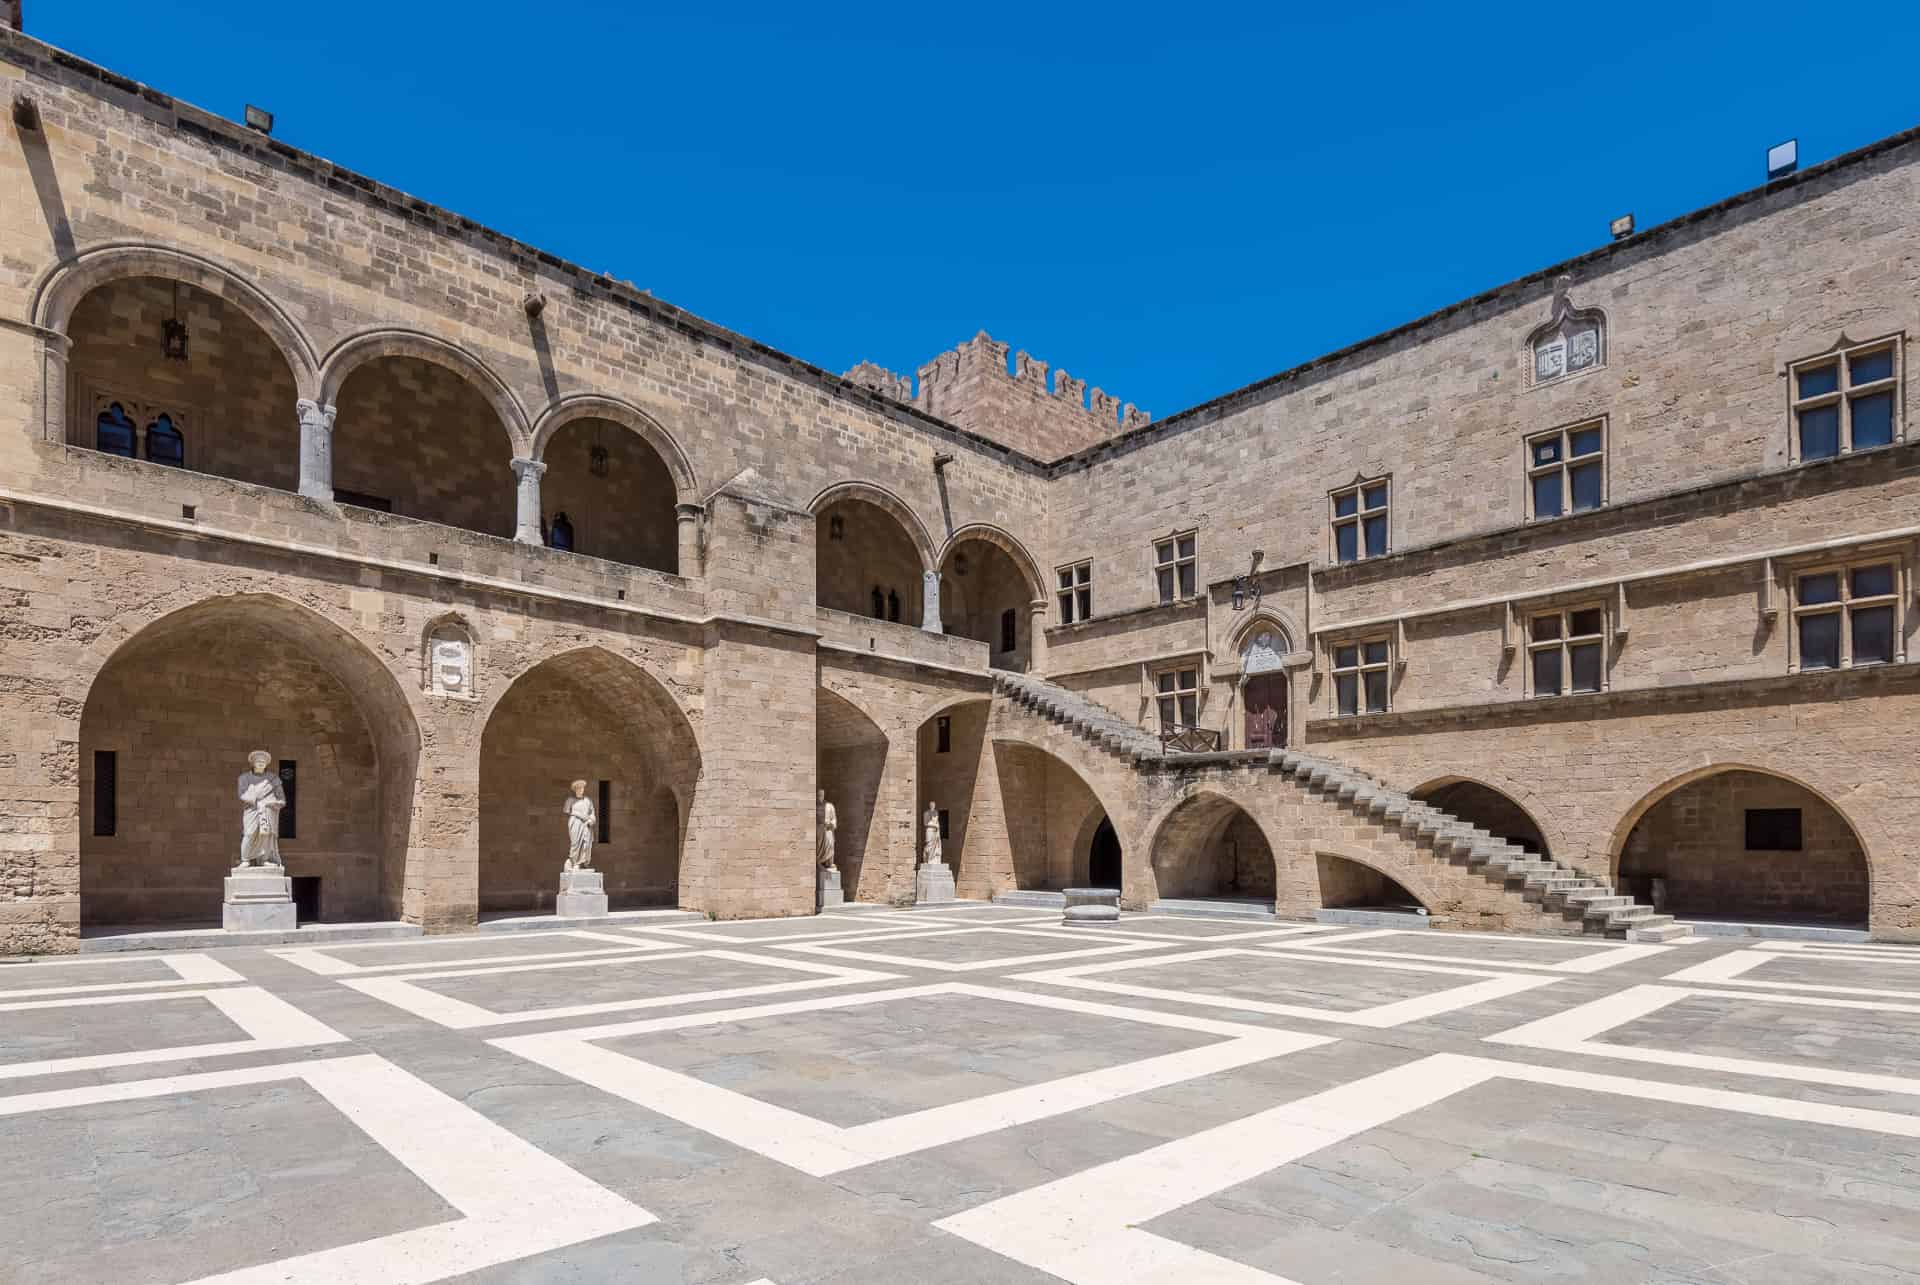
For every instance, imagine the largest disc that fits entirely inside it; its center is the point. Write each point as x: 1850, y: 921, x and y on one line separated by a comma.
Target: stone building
x: 1587, y: 597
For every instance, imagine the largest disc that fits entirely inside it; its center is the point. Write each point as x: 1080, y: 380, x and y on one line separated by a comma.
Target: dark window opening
x: 361, y: 500
x: 942, y: 735
x: 1773, y: 830
x: 289, y: 821
x: 944, y: 814
x: 165, y: 443
x: 605, y: 812
x: 893, y: 606
x: 879, y: 603
x: 306, y: 899
x: 113, y: 432
x: 106, y: 791
x: 1009, y: 630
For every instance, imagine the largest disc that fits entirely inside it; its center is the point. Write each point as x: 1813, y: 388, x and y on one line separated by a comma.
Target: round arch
x: 344, y: 727
x: 63, y: 285
x: 584, y: 713
x: 1007, y: 544
x: 1193, y: 849
x: 1711, y: 821
x: 851, y: 752
x: 351, y: 354
x: 895, y: 507
x: 1493, y: 801
x: 579, y: 406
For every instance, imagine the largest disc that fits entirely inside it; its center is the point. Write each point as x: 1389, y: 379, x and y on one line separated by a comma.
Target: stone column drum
x: 1091, y: 906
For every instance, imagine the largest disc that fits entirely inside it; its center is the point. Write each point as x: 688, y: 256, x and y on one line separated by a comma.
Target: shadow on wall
x: 1348, y: 885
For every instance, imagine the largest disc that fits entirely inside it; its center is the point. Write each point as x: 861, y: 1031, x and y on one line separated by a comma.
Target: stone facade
x: 284, y: 455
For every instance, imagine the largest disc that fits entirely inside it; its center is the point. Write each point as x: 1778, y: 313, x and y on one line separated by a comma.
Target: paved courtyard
x: 966, y: 1095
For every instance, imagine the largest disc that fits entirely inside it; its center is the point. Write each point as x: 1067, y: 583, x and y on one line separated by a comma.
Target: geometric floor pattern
x: 966, y: 1095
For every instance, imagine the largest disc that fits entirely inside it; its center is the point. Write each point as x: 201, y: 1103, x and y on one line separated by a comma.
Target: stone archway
x: 851, y: 764
x: 585, y: 714
x: 1052, y: 816
x: 986, y: 595
x: 1208, y: 847
x: 167, y: 725
x: 1487, y: 807
x: 951, y: 753
x: 613, y: 493
x: 1739, y: 843
x: 1346, y: 884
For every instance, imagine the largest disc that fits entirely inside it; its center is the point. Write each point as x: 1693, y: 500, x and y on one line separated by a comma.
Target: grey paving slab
x: 1768, y: 1028
x: 515, y: 989
x: 1312, y: 981
x: 110, y: 971
x: 90, y: 1030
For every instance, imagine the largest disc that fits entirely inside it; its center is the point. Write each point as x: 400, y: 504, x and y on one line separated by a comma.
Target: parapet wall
x: 972, y: 387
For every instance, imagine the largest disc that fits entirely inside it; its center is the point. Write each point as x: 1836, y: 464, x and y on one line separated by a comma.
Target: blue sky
x: 1169, y: 202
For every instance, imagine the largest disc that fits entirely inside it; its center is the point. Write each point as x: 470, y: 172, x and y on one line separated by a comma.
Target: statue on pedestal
x: 263, y: 797
x: 932, y: 851
x: 828, y: 821
x: 581, y: 819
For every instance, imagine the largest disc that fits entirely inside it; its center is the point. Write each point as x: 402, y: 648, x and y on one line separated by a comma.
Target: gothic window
x: 165, y: 443
x: 113, y: 432
x: 1573, y: 341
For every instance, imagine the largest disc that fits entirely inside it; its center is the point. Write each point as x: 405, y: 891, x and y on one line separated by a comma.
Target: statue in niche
x: 828, y: 821
x: 581, y: 819
x: 263, y: 797
x: 932, y: 851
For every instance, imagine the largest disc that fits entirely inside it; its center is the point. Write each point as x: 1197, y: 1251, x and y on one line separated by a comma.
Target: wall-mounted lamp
x: 959, y: 564
x: 1246, y: 591
x: 173, y: 331
x: 597, y: 461
x: 836, y: 527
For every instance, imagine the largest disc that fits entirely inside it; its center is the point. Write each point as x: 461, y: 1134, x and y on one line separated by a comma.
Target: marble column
x: 526, y: 474
x: 930, y: 602
x: 53, y: 386
x: 688, y: 517
x: 1037, y: 636
x: 316, y: 450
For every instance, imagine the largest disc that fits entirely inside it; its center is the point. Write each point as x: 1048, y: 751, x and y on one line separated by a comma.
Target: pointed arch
x: 351, y: 354
x: 578, y: 406
x: 1193, y: 849
x: 1266, y: 616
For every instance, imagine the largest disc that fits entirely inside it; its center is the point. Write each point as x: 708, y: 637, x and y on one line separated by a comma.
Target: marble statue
x: 581, y: 819
x: 263, y: 797
x: 829, y: 821
x: 932, y: 852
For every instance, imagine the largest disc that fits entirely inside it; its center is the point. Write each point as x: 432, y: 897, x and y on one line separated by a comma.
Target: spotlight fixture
x: 259, y: 118
x: 1621, y: 227
x: 1783, y: 159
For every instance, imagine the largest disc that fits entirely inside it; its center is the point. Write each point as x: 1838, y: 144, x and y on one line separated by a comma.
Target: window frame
x: 1181, y: 568
x: 1564, y: 466
x: 1564, y: 642
x: 1176, y: 693
x: 1362, y: 668
x: 1358, y: 519
x: 1845, y: 394
x: 1073, y: 591
x: 182, y: 417
x: 1844, y: 606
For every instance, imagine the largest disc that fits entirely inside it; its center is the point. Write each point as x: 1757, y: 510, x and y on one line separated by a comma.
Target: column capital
x: 524, y: 468
x: 315, y: 415
x: 689, y: 512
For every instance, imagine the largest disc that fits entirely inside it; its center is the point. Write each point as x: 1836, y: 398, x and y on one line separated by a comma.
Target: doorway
x: 1265, y: 699
x: 1103, y: 858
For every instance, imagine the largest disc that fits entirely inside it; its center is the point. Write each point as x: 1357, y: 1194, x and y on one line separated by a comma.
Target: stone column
x: 688, y: 517
x: 1037, y: 637
x: 930, y: 602
x: 526, y: 474
x: 316, y: 450
x: 53, y: 377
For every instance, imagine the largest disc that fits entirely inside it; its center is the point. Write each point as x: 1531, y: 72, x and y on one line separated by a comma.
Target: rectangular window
x: 290, y: 786
x: 361, y: 500
x: 1009, y: 630
x: 604, y: 811
x: 1177, y: 692
x: 1567, y: 651
x: 1773, y: 830
x: 1846, y: 401
x: 1360, y: 683
x: 943, y: 735
x: 1076, y: 592
x: 1360, y: 521
x: 944, y: 830
x: 1847, y: 616
x: 1566, y: 470
x: 106, y: 792
x: 1173, y: 567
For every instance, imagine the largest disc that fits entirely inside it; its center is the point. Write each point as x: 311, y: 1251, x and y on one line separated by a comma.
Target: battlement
x: 974, y: 387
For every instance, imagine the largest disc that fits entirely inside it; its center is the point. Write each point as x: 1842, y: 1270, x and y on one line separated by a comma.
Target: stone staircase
x: 1556, y: 888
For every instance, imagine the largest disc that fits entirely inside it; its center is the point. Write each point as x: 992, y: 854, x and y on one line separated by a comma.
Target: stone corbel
x: 1620, y: 622
x: 1400, y: 644
x: 1769, y: 606
x: 1509, y: 629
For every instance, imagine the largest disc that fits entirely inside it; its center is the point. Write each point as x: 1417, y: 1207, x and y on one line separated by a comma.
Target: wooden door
x: 1265, y: 699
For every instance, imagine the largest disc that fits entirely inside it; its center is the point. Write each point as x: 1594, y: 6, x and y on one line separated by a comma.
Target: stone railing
x: 845, y: 630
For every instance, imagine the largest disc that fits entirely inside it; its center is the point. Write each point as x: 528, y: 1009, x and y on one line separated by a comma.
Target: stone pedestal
x: 258, y: 899
x: 933, y: 883
x: 583, y: 894
x: 1092, y: 906
x: 827, y: 885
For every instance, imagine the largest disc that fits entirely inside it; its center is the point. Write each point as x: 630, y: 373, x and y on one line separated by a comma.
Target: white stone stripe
x: 820, y: 1148
x: 1729, y: 970
x: 1493, y: 985
x: 843, y: 950
x: 407, y: 994
x: 1604, y: 955
x: 1574, y: 1030
x: 269, y: 1021
x: 1086, y: 1229
x: 476, y: 1166
x: 190, y: 969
